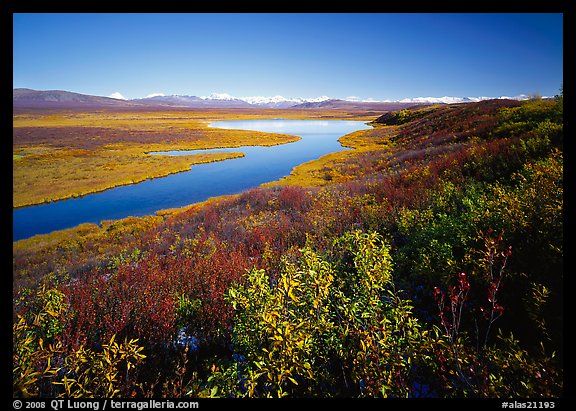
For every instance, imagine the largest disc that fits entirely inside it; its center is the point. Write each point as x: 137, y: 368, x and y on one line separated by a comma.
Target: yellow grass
x: 172, y: 118
x: 43, y: 173
x: 48, y: 172
x: 64, y: 173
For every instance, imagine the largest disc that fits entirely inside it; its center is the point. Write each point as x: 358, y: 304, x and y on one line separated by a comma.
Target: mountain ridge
x: 29, y: 98
x: 25, y: 97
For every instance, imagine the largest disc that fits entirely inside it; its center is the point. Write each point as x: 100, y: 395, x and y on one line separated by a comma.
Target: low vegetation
x: 55, y: 174
x: 58, y: 155
x: 427, y: 262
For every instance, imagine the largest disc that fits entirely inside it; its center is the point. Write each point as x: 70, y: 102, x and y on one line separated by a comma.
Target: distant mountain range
x: 23, y: 97
x: 28, y: 98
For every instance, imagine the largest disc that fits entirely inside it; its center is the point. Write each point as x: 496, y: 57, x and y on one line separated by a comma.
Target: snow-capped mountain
x: 275, y: 101
x: 226, y: 100
x: 192, y: 101
x: 283, y: 102
x: 35, y: 98
x: 219, y: 96
x: 280, y: 101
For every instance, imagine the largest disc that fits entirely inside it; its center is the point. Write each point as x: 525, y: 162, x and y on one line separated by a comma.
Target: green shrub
x: 323, y: 327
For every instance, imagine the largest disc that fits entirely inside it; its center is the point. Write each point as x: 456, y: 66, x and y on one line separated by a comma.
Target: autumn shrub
x: 530, y: 210
x: 133, y: 301
x: 293, y: 198
x: 327, y: 326
x: 528, y: 116
x: 472, y: 362
x: 44, y: 364
x: 403, y: 116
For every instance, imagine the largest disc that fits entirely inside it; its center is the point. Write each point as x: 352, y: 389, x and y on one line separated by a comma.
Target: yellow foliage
x: 51, y: 172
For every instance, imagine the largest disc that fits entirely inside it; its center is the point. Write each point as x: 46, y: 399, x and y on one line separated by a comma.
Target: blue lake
x: 259, y: 165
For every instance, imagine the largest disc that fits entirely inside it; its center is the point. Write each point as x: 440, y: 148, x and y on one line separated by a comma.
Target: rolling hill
x: 23, y: 97
x: 28, y: 98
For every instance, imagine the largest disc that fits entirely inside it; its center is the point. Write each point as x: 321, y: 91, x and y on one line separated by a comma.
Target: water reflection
x: 260, y: 165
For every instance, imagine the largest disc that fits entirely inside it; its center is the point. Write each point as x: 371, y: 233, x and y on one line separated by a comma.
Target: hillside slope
x: 430, y: 264
x: 22, y: 97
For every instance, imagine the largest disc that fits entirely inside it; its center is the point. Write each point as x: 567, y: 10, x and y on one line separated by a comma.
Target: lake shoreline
x: 135, y: 181
x: 265, y: 167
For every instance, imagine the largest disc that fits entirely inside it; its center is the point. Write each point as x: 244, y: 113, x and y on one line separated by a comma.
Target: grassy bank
x: 64, y: 174
x: 65, y: 154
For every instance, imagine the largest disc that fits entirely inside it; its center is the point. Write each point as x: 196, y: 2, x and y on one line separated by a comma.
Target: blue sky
x: 376, y: 56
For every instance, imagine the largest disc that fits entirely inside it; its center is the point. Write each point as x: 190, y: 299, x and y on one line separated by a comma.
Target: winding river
x: 202, y: 181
